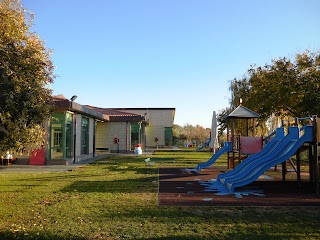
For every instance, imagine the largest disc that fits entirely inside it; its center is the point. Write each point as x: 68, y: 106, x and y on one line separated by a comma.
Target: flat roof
x: 66, y: 104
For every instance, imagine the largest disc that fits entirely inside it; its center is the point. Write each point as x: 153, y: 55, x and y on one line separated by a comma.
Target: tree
x: 178, y: 135
x: 25, y: 73
x: 283, y: 88
x: 190, y: 133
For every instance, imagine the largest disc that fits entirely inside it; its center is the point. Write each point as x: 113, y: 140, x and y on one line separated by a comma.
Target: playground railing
x: 268, y: 138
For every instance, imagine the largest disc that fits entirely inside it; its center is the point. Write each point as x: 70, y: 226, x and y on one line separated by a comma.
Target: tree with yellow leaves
x: 26, y: 72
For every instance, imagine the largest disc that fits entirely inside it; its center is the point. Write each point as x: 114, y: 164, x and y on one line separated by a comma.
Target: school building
x: 78, y: 132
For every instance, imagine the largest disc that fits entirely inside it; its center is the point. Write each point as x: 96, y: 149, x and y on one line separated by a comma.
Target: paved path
x: 16, y: 168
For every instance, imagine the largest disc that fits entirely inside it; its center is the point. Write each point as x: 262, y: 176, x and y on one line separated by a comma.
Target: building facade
x: 71, y: 132
x: 121, y: 132
x: 158, y: 130
x: 77, y: 132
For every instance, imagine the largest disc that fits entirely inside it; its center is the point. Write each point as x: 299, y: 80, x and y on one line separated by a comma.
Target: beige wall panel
x: 156, y: 117
x: 78, y: 138
x: 152, y: 133
x: 91, y: 135
x: 107, y: 131
x: 101, y: 135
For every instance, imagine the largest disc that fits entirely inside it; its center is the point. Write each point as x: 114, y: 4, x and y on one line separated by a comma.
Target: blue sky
x: 168, y: 53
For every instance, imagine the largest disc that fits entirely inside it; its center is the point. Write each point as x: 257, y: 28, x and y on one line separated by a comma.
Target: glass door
x: 68, y: 140
x: 57, y: 143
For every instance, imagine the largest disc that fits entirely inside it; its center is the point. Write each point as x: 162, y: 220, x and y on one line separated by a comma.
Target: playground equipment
x: 253, y: 160
x: 242, y: 144
x: 226, y: 148
x: 238, y: 146
x: 268, y: 149
x: 206, y: 144
x: 277, y: 151
x: 253, y: 167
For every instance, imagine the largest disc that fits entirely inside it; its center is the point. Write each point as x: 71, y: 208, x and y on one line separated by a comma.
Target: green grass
x: 116, y: 198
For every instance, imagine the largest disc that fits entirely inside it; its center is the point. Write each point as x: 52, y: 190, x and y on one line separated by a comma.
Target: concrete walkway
x: 16, y: 168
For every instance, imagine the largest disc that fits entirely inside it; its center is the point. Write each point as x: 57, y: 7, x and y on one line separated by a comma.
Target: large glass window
x: 84, y: 135
x: 68, y: 140
x: 61, y: 141
x: 135, y: 134
x: 168, y: 136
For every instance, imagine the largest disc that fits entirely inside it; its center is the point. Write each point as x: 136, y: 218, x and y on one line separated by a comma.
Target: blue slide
x: 226, y: 148
x: 265, y: 151
x: 253, y: 169
x: 206, y: 144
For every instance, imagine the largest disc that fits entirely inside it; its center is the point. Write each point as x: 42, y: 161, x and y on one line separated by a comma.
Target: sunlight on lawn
x: 116, y: 198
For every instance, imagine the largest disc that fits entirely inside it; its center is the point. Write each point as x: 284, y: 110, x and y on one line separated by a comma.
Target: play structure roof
x: 242, y: 112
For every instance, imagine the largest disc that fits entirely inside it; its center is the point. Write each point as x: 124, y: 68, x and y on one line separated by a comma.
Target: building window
x: 68, y: 140
x: 61, y: 142
x: 57, y: 137
x: 57, y: 143
x: 135, y: 134
x: 168, y: 136
x: 84, y: 135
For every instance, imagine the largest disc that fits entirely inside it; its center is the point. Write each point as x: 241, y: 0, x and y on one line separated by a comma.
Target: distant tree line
x: 188, y: 134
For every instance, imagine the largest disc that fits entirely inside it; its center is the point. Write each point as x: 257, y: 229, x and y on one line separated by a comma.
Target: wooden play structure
x: 243, y: 145
x: 313, y: 154
x: 312, y: 149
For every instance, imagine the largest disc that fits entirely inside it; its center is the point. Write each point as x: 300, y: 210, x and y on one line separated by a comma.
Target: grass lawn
x: 116, y: 198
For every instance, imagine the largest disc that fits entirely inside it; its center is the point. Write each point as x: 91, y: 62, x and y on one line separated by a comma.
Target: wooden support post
x: 298, y: 167
x: 233, y: 157
x: 247, y: 127
x: 315, y: 170
x: 228, y: 139
x: 284, y: 171
x: 317, y: 177
x: 239, y: 148
x: 310, y: 157
x: 292, y: 164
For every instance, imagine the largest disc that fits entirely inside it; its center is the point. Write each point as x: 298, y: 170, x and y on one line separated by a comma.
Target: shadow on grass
x: 182, y: 237
x: 139, y: 185
x: 8, y: 235
x: 63, y: 177
x: 250, y: 233
x: 134, y: 169
x: 237, y: 235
